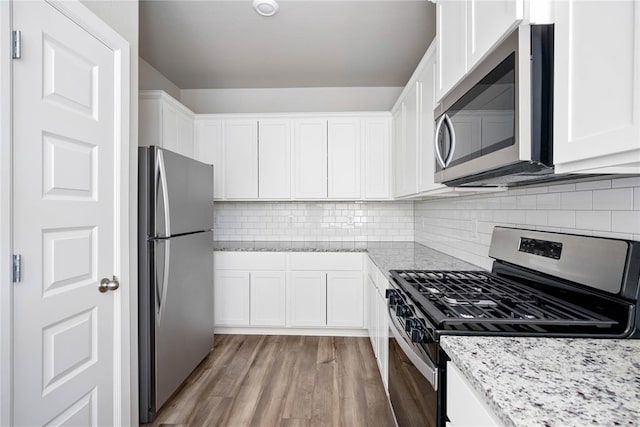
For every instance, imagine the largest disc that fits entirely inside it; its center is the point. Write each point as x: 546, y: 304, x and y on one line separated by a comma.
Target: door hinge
x: 16, y: 44
x: 17, y: 268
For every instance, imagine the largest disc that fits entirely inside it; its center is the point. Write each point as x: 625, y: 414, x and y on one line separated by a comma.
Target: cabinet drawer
x: 326, y: 261
x: 263, y: 261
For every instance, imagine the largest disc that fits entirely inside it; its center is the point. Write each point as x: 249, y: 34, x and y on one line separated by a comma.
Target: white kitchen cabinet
x: 376, y: 147
x: 165, y: 122
x: 241, y: 159
x: 370, y: 291
x: 399, y: 149
x: 345, y: 299
x: 343, y: 158
x: 310, y: 159
x: 274, y: 158
x: 208, y: 148
x: 488, y: 23
x: 597, y: 87
x: 451, y: 30
x: 464, y: 405
x: 308, y: 299
x: 382, y: 336
x: 231, y: 298
x: 268, y: 298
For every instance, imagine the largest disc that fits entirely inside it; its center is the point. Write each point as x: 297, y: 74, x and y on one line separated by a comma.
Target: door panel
x: 310, y: 159
x: 184, y: 319
x: 308, y: 298
x: 241, y: 159
x: 344, y: 159
x: 377, y: 165
x: 64, y: 227
x: 345, y: 299
x: 231, y: 298
x: 274, y: 152
x: 268, y: 292
x: 208, y: 148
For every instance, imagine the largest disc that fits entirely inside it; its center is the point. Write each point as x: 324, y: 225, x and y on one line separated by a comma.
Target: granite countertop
x: 386, y: 255
x: 552, y: 382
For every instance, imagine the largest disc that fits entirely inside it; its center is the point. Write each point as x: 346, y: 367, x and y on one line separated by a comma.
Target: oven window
x: 484, y: 118
x: 413, y: 398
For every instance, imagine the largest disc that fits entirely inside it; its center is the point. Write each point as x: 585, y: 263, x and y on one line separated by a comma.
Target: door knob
x: 109, y: 284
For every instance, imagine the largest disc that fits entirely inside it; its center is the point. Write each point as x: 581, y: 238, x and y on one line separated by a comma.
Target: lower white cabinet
x: 343, y: 288
x: 308, y: 299
x: 378, y: 321
x: 231, y: 298
x: 464, y: 405
x: 268, y: 298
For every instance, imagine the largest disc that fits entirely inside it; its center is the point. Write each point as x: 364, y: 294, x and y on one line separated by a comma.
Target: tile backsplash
x: 462, y: 226
x: 314, y: 221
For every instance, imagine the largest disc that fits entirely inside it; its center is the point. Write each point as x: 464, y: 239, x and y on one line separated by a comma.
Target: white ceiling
x: 321, y: 43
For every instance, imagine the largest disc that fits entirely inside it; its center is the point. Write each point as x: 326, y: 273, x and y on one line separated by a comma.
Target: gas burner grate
x: 482, y: 298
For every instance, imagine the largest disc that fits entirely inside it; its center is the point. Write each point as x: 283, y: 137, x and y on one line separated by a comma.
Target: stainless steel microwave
x: 495, y: 128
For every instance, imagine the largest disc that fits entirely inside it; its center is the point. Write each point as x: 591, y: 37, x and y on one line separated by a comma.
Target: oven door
x: 413, y: 380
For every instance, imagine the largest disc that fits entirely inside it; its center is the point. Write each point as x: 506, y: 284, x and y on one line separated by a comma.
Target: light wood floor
x: 282, y: 381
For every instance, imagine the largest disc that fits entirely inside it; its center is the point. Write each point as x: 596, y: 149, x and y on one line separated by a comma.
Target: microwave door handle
x: 435, y: 142
x: 452, y: 132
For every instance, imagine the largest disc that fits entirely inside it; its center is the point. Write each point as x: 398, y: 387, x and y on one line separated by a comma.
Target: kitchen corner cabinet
x: 208, y: 148
x: 310, y: 159
x: 344, y: 158
x: 274, y: 158
x: 165, y: 122
x: 241, y: 159
x: 467, y: 30
x: 597, y: 87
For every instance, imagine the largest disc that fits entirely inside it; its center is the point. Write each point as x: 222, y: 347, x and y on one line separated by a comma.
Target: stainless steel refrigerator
x: 175, y: 272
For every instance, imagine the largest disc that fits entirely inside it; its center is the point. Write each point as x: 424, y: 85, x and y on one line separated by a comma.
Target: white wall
x: 314, y: 221
x: 290, y: 100
x: 152, y: 79
x: 122, y: 16
x: 462, y: 227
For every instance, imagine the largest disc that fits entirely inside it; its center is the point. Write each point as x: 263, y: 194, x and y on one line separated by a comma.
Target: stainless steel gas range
x: 541, y: 284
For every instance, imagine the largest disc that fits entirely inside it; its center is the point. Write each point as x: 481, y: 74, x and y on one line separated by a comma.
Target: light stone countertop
x: 386, y: 255
x: 552, y: 381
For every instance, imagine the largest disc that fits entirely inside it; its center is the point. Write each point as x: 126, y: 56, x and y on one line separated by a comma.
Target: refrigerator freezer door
x: 183, y: 309
x: 182, y: 194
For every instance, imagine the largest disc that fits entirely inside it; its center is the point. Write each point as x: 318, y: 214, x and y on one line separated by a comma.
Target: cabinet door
x: 383, y: 338
x: 185, y: 134
x: 451, y: 28
x: 268, y: 290
x: 377, y: 158
x: 241, y: 159
x: 343, y: 148
x: 597, y: 86
x: 399, y: 150
x: 308, y: 299
x: 488, y: 22
x: 345, y: 299
x: 465, y: 407
x: 372, y: 320
x: 149, y: 122
x: 231, y: 298
x: 208, y: 148
x: 410, y: 162
x: 274, y: 159
x: 170, y: 128
x: 310, y: 159
x: 426, y: 100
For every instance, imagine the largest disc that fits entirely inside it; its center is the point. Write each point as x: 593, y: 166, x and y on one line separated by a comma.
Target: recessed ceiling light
x: 266, y: 7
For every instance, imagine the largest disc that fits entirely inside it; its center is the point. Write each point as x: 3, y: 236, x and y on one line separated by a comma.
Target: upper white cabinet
x: 405, y: 144
x: 274, y: 158
x: 466, y: 31
x: 399, y: 149
x: 597, y: 87
x: 208, y: 148
x: 165, y: 123
x: 451, y: 30
x: 241, y: 159
x: 343, y: 151
x: 376, y: 147
x: 310, y: 159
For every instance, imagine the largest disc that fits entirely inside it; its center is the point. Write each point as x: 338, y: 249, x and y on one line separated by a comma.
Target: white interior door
x: 65, y: 227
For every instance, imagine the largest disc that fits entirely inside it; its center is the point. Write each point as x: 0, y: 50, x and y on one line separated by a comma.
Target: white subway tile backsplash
x: 593, y: 220
x: 618, y: 199
x: 632, y: 181
x: 593, y: 185
x: 562, y: 219
x: 625, y: 221
x: 577, y: 200
x: 548, y: 201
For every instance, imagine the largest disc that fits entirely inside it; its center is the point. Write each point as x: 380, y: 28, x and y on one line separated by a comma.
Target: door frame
x: 125, y: 398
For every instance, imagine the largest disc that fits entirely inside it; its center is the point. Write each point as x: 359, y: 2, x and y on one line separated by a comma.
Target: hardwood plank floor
x: 288, y: 381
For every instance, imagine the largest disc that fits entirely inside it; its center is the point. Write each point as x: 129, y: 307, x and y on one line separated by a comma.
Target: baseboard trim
x: 317, y: 332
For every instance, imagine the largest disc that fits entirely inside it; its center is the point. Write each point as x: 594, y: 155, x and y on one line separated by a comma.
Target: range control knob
x: 403, y: 310
x: 390, y: 292
x: 410, y: 323
x: 418, y: 335
x: 395, y: 300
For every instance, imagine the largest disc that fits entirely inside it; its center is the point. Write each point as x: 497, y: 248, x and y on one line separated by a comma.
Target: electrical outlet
x: 290, y: 219
x: 350, y: 220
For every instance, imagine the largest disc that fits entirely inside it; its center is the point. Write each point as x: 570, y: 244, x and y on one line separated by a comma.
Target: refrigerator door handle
x: 161, y: 292
x: 161, y: 180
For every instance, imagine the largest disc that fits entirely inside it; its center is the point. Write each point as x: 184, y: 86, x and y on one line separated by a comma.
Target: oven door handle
x: 422, y: 363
